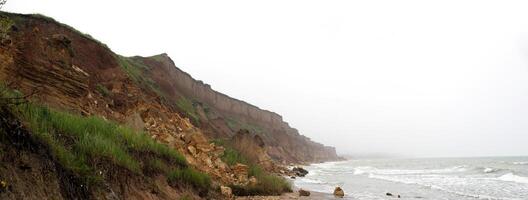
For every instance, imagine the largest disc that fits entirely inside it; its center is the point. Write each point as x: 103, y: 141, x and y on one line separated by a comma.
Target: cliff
x: 69, y: 72
x: 285, y: 143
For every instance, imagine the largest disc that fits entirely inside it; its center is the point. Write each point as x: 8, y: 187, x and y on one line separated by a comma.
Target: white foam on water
x: 490, y: 170
x: 521, y: 163
x: 513, y: 178
x: 372, y: 170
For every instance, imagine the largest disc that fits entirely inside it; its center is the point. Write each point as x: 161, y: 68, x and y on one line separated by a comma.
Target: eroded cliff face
x: 65, y: 69
x: 285, y: 144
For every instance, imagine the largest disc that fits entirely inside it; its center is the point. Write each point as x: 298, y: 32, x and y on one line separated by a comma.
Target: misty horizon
x: 409, y: 79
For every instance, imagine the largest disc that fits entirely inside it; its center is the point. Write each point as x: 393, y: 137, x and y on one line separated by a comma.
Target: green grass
x: 77, y: 142
x: 158, y: 165
x: 94, y: 137
x: 80, y: 143
x: 190, y: 176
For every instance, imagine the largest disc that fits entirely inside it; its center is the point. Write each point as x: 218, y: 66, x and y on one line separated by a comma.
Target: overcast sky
x: 415, y: 78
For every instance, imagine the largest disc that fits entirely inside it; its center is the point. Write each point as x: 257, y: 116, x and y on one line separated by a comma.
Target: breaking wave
x: 513, y: 178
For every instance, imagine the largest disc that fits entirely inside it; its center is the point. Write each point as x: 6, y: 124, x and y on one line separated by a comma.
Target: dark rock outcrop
x: 299, y: 171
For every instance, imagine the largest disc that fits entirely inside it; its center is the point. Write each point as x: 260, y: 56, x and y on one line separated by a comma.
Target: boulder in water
x: 338, y: 192
x: 299, y: 171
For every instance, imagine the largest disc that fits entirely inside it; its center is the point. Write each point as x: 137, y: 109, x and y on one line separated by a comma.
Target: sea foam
x: 513, y: 178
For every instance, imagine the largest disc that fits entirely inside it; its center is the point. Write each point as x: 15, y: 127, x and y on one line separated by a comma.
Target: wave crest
x: 513, y: 178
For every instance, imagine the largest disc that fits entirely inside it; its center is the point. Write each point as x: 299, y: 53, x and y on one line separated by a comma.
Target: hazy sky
x: 417, y: 78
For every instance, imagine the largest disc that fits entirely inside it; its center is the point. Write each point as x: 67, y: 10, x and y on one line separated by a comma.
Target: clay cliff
x: 65, y: 70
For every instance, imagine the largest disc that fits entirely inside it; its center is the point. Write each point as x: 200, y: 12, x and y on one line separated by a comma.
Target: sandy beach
x: 293, y: 195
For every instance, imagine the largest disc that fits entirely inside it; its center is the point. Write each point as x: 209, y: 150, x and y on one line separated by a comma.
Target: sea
x: 421, y: 178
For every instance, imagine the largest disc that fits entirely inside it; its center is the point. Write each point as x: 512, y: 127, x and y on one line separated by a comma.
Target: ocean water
x: 425, y: 178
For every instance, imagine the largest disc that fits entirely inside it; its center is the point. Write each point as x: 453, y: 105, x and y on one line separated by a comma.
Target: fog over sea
x: 422, y: 178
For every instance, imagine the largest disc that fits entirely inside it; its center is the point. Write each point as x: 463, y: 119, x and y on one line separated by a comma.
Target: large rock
x: 241, y: 172
x: 299, y: 171
x: 338, y: 192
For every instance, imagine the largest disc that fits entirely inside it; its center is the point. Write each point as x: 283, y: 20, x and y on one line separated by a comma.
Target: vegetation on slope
x: 84, y: 145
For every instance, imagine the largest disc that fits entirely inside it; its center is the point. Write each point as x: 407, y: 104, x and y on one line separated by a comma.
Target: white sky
x: 417, y: 78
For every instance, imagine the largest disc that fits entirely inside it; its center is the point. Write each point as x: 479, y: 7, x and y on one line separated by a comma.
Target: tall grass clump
x: 190, y: 176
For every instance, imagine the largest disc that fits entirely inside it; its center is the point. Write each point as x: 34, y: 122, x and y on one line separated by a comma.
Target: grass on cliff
x: 92, y: 138
x: 76, y: 142
x: 267, y: 184
x: 190, y: 176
